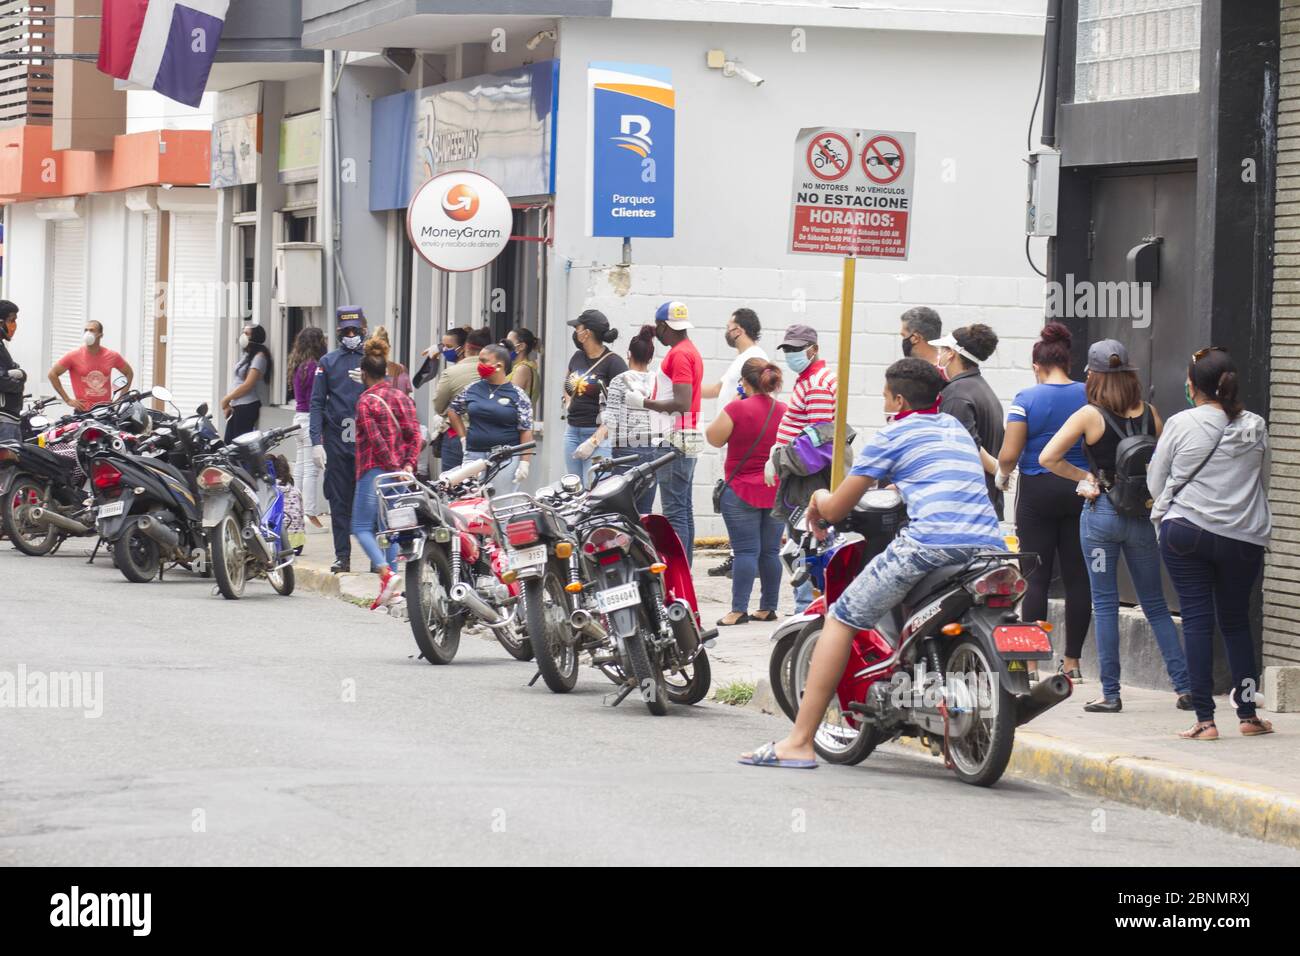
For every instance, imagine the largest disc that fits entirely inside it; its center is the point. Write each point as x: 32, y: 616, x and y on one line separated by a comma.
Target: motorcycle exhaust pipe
x: 258, y: 543
x: 1042, y: 697
x: 165, y: 536
x: 586, y: 625
x: 676, y: 612
x: 465, y: 595
x: 46, y: 518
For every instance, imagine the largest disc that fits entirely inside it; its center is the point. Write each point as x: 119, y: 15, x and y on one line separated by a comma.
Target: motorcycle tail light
x: 523, y: 531
x: 213, y: 478
x: 8, y: 454
x: 1001, y: 582
x: 105, y: 477
x: 606, y: 539
x: 611, y: 557
x: 92, y: 434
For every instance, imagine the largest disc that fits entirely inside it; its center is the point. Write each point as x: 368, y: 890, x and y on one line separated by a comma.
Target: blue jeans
x: 756, y: 542
x: 676, y: 498
x: 1105, y: 535
x: 504, y: 482
x: 803, y: 596
x: 453, y: 453
x: 1215, y: 576
x: 365, y: 521
x: 575, y: 435
x: 645, y: 502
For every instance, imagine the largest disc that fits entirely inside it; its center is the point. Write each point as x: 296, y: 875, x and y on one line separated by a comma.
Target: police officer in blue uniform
x: 334, y: 398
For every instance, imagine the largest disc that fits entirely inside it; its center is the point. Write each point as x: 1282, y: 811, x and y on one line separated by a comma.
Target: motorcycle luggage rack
x: 513, y: 505
x: 392, y: 486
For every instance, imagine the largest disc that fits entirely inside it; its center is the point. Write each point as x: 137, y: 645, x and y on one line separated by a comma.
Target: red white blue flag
x: 162, y: 45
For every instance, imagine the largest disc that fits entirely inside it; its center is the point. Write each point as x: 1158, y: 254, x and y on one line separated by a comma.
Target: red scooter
x: 948, y: 665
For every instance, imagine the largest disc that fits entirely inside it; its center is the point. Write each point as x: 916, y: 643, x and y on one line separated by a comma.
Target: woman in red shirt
x: 748, y: 428
x: 388, y: 439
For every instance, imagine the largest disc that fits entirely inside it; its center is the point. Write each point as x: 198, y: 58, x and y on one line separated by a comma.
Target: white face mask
x: 243, y: 341
x: 88, y: 339
x: 351, y: 341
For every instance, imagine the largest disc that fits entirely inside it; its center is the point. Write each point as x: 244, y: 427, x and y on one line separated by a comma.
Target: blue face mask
x: 450, y: 356
x: 513, y: 355
x: 740, y: 390
x: 798, y: 361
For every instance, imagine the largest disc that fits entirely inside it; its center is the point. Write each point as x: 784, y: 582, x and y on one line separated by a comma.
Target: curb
x: 1250, y: 810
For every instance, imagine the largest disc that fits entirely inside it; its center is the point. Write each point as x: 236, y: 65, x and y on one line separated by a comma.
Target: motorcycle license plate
x: 1021, y: 639
x: 113, y: 510
x: 399, y: 519
x: 527, y: 558
x: 614, y: 599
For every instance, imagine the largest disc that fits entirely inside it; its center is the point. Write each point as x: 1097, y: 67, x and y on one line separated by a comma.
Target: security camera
x: 734, y: 68
x: 536, y: 41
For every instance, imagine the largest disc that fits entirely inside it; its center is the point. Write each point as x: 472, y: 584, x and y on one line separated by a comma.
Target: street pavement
x: 302, y: 730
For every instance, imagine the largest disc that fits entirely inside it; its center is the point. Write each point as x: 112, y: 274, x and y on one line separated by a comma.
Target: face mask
x: 514, y: 354
x: 486, y: 371
x: 352, y: 342
x: 740, y: 390
x: 798, y: 361
x: 907, y: 347
x: 1187, y: 393
x: 577, y: 342
x: 450, y: 356
x: 243, y: 340
x: 88, y: 339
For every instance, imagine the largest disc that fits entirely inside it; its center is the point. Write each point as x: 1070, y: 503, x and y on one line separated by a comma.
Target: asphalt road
x: 227, y: 737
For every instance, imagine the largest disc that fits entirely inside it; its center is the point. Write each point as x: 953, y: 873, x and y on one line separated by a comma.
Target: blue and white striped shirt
x: 934, y: 463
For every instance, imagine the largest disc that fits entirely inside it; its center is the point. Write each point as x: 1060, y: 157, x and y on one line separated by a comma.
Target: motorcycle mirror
x: 202, y: 410
x: 162, y: 394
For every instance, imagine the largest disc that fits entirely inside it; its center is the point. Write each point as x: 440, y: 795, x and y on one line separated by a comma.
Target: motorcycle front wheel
x: 229, y: 558
x: 840, y: 738
x: 282, y: 581
x: 546, y: 608
x: 25, y: 494
x: 980, y: 757
x: 779, y: 673
x: 435, y: 627
x: 137, y: 555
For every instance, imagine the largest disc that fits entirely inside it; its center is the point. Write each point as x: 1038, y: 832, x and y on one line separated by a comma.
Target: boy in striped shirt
x: 932, y: 460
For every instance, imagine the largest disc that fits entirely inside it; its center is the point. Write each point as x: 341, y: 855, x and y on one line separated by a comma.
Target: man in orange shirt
x: 91, y: 370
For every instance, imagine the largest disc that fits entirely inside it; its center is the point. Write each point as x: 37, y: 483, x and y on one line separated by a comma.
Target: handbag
x: 721, y: 484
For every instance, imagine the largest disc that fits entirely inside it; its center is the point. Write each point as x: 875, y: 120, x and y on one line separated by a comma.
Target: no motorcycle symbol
x: 883, y: 160
x: 830, y: 156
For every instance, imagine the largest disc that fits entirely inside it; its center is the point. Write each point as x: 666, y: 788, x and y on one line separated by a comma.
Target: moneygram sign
x: 459, y: 221
x: 852, y: 192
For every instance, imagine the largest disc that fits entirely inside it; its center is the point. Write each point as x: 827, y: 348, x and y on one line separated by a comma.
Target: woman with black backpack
x: 1119, y: 431
x: 1209, y: 478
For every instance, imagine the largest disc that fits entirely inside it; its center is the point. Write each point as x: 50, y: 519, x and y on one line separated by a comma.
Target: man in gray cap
x: 334, y: 398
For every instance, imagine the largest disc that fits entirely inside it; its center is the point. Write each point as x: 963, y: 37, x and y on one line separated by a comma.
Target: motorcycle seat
x: 934, y: 581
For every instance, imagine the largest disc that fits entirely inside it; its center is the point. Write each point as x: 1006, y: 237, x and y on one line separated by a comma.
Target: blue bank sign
x: 632, y: 150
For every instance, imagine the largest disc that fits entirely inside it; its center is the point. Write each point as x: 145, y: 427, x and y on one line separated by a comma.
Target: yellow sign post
x: 846, y: 350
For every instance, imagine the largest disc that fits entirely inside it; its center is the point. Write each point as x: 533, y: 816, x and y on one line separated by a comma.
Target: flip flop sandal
x: 1261, y: 727
x: 743, y: 619
x: 1198, y: 732
x: 765, y: 756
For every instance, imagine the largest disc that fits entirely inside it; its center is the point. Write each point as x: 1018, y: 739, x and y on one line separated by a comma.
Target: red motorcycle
x: 948, y: 665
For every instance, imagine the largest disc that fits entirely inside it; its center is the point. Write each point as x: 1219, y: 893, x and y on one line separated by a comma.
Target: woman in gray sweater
x: 1209, y: 479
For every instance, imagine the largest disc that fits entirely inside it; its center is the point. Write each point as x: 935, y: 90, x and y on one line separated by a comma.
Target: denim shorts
x: 883, y: 583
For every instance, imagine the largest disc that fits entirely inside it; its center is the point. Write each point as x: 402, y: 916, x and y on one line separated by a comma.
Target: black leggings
x: 1047, y: 522
x: 243, y: 419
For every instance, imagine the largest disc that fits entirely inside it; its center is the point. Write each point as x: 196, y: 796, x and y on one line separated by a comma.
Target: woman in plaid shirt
x: 388, y: 439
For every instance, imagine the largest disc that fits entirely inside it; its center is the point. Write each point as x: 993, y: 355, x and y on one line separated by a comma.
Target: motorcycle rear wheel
x: 516, y: 643
x: 24, y: 494
x: 839, y: 739
x: 436, y: 631
x: 980, y: 758
x: 545, y: 606
x: 282, y: 581
x: 649, y: 678
x: 137, y: 555
x: 229, y: 558
x: 696, y: 679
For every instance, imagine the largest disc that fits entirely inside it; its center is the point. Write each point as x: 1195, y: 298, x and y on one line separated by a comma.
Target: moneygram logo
x: 461, y: 203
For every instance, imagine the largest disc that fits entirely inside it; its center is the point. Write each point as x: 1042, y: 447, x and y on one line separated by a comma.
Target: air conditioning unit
x: 299, y: 271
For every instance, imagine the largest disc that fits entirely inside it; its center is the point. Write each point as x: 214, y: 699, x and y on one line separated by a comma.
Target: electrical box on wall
x: 1044, y: 192
x: 299, y: 269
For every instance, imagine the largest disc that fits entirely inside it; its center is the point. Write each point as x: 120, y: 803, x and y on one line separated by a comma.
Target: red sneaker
x: 389, y: 589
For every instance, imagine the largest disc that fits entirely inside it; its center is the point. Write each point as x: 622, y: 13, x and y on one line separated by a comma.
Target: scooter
x: 948, y: 665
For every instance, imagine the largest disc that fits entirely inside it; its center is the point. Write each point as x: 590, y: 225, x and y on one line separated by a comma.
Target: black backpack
x: 1127, y: 485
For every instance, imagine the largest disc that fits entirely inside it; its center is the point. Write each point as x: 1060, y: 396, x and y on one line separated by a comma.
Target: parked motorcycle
x: 243, y: 514
x: 148, y: 507
x: 948, y: 665
x: 637, y: 611
x: 456, y: 567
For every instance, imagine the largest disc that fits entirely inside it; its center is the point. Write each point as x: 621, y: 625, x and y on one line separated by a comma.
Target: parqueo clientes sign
x: 459, y: 221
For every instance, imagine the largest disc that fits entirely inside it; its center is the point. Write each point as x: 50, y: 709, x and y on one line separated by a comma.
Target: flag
x: 162, y: 45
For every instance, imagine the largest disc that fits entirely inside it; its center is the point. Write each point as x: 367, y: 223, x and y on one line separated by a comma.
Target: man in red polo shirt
x: 91, y: 370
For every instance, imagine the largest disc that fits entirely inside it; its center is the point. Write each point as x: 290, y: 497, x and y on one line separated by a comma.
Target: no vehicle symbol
x: 829, y: 156
x: 883, y: 160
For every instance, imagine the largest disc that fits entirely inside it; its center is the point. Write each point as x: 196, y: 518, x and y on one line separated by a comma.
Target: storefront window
x: 1134, y: 48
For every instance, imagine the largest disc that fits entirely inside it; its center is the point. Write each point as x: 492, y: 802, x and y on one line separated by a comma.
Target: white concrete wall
x: 967, y: 97
x: 25, y: 284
